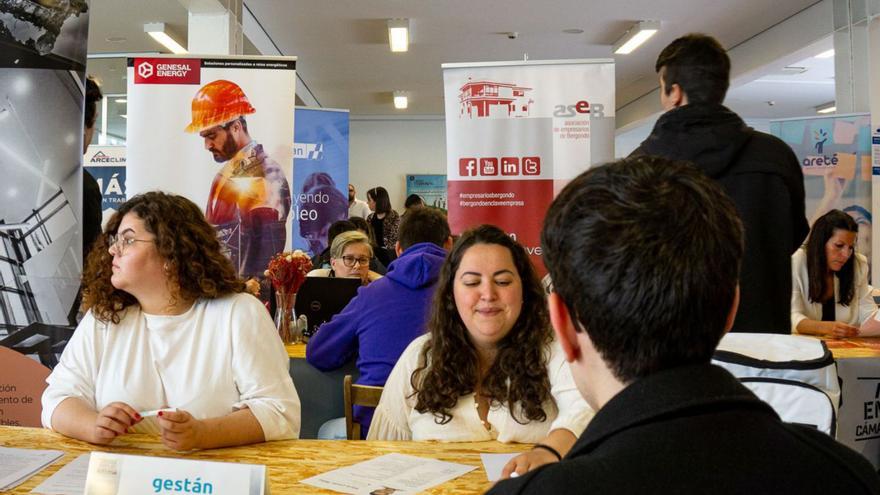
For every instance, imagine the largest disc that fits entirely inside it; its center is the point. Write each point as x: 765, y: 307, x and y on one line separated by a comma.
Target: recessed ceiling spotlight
x: 398, y: 34
x: 573, y: 31
x: 401, y: 101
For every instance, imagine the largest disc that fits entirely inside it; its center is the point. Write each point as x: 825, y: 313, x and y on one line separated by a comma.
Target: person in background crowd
x: 639, y: 333
x: 830, y: 291
x: 168, y: 327
x: 350, y: 256
x: 388, y: 314
x: 356, y: 207
x: 91, y: 193
x: 92, y: 197
x: 376, y: 264
x: 412, y: 201
x: 759, y: 172
x: 489, y: 368
x: 322, y: 260
x: 384, y: 220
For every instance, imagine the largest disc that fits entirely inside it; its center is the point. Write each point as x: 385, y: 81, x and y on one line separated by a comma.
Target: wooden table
x: 858, y: 420
x: 859, y: 347
x: 296, y: 351
x: 288, y: 461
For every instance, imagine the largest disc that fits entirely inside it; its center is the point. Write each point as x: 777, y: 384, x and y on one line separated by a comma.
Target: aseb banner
x: 320, y: 176
x: 516, y: 133
x: 218, y: 131
x: 835, y: 156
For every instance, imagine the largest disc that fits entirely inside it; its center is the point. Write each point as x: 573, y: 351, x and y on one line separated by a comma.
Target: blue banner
x: 320, y: 176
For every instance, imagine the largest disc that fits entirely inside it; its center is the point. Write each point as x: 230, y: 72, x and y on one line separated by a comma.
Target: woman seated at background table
x: 489, y: 367
x: 168, y: 327
x: 350, y: 255
x: 830, y: 292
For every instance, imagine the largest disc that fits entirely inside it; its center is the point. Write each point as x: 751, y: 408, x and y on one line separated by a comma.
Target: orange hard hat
x: 217, y: 103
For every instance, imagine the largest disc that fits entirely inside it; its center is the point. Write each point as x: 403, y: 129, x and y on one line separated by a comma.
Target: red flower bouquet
x: 287, y: 272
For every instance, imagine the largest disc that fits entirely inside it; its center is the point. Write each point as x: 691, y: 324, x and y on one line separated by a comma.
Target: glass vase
x: 285, y: 318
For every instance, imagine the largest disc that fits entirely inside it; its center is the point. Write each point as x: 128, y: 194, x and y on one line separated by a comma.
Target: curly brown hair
x: 184, y: 239
x: 449, y: 365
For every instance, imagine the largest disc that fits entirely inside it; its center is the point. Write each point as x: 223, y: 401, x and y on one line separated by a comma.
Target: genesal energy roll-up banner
x: 219, y: 131
x: 320, y: 175
x: 516, y: 133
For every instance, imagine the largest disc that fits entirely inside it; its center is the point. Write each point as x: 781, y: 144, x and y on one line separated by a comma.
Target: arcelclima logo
x: 101, y: 157
x: 505, y: 166
x: 145, y: 69
x: 493, y: 99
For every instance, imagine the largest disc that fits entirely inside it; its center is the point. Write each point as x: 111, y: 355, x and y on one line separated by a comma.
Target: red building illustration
x: 493, y: 99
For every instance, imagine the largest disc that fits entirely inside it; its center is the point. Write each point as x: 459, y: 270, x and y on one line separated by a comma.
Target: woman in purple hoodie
x: 385, y: 316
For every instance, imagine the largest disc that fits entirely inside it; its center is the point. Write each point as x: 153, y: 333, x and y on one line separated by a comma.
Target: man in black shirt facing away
x: 759, y: 172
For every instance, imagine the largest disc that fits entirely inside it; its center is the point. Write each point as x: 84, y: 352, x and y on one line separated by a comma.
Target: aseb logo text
x: 504, y: 166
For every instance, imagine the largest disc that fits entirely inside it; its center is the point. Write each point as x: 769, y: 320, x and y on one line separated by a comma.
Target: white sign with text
x: 112, y: 474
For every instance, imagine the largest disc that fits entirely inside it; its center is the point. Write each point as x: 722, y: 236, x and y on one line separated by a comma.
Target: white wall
x: 383, y: 151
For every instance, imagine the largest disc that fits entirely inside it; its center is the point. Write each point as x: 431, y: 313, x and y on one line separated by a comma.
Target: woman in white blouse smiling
x: 489, y: 367
x: 169, y: 326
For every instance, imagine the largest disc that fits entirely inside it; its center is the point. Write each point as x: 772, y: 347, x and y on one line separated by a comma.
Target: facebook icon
x: 467, y: 167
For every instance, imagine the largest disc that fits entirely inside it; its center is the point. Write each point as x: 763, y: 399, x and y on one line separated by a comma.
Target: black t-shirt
x: 378, y: 230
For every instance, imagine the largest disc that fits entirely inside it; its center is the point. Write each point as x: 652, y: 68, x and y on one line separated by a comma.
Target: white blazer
x: 859, y: 309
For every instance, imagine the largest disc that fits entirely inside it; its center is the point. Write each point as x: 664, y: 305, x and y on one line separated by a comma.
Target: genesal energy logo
x: 167, y: 71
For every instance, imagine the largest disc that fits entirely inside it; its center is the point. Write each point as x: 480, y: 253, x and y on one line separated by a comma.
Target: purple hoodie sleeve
x: 336, y: 341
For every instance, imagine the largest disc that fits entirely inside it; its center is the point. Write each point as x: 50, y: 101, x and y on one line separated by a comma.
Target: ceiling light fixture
x: 829, y: 107
x: 121, y: 100
x: 637, y: 34
x: 826, y: 54
x: 398, y: 34
x: 158, y: 32
x: 401, y: 101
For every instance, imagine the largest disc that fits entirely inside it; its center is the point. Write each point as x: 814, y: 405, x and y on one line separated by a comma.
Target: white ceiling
x: 345, y: 61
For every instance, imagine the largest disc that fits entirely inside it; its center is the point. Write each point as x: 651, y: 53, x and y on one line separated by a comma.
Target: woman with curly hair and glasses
x: 489, y: 368
x: 169, y: 328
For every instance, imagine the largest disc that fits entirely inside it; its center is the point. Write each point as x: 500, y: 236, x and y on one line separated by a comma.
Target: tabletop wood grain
x: 287, y: 461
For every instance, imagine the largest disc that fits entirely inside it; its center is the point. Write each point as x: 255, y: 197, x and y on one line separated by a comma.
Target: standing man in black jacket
x: 758, y: 171
x: 639, y: 332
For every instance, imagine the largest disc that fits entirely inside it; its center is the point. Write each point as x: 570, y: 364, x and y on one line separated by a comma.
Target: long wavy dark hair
x: 449, y: 365
x: 817, y: 262
x: 196, y: 268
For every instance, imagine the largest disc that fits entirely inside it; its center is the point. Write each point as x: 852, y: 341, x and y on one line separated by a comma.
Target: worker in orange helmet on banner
x: 250, y: 196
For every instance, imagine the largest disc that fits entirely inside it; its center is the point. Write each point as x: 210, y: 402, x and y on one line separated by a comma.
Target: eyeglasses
x: 122, y: 243
x: 349, y: 261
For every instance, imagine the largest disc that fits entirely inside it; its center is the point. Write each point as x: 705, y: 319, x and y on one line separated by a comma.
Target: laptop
x: 319, y: 298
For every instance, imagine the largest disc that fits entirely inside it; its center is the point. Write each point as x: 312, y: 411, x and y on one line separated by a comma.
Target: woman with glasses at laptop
x: 488, y: 368
x: 350, y: 255
x: 169, y: 328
